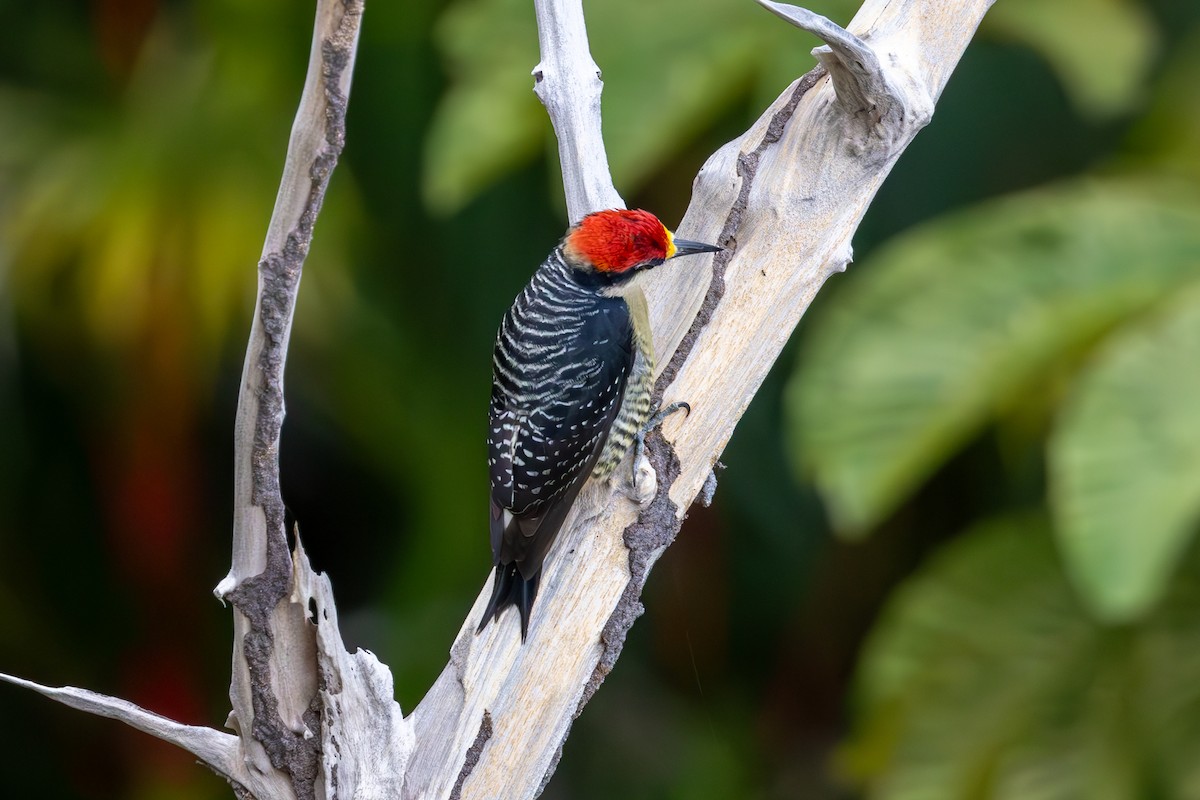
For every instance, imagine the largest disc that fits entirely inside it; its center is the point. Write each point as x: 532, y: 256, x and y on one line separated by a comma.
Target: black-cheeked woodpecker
x: 571, y: 388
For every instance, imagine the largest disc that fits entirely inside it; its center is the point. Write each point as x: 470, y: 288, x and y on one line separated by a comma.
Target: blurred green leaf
x: 1102, y: 50
x: 1168, y: 136
x: 489, y: 120
x: 1125, y: 462
x: 144, y: 210
x: 673, y: 66
x: 670, y: 67
x: 985, y: 678
x: 147, y: 208
x: 970, y: 314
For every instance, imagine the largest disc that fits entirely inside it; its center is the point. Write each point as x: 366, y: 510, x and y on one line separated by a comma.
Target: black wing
x: 545, y: 435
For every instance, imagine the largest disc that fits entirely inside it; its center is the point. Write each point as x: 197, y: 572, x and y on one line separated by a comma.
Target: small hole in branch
x: 289, y: 527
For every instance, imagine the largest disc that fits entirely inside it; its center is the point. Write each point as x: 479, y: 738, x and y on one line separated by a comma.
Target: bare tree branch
x: 314, y: 721
x: 784, y: 199
x: 366, y: 744
x: 859, y: 82
x: 305, y: 709
x: 568, y: 83
x: 290, y: 677
x: 217, y: 750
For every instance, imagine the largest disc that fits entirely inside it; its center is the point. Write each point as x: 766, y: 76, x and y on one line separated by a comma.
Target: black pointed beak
x: 685, y: 248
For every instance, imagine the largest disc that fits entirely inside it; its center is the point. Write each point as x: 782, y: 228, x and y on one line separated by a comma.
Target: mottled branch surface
x: 316, y: 722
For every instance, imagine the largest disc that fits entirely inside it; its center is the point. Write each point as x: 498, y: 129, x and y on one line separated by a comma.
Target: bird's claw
x: 639, y: 441
x: 665, y: 412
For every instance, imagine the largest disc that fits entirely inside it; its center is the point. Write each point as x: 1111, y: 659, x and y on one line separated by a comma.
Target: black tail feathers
x: 510, y: 589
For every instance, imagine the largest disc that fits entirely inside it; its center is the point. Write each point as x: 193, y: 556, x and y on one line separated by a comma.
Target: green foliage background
x: 952, y: 554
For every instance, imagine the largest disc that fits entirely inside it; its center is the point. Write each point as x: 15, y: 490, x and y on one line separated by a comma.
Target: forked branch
x: 784, y: 199
x: 314, y: 721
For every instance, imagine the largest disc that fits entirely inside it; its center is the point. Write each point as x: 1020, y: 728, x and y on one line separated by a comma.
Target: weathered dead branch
x: 784, y: 199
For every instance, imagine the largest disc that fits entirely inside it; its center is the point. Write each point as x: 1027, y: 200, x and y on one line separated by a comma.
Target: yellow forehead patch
x: 671, y: 249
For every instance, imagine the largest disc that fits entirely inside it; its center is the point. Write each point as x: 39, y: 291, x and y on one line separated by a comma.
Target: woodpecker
x: 572, y: 376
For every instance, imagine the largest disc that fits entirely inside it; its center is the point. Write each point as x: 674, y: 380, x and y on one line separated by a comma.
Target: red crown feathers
x: 617, y: 240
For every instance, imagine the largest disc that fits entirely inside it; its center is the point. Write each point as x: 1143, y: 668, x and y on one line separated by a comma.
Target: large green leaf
x: 1125, y: 461
x: 966, y: 316
x: 1102, y: 50
x: 986, y: 678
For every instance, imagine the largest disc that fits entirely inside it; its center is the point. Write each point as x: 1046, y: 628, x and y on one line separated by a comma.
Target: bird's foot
x: 645, y: 480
